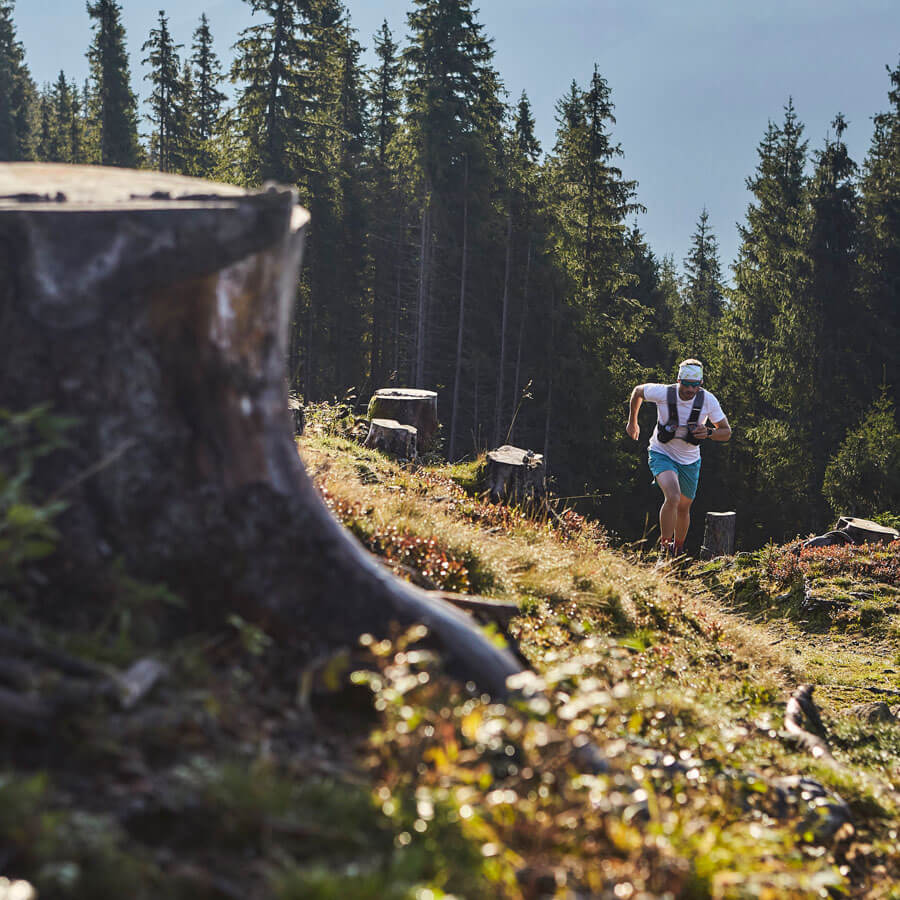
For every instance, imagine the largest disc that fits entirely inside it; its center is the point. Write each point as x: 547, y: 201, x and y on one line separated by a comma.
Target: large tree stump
x: 391, y: 437
x: 515, y: 475
x: 718, y: 538
x: 865, y: 531
x: 851, y: 530
x: 154, y: 309
x: 408, y: 406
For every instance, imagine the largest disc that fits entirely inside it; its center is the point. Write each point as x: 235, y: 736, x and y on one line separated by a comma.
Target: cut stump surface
x: 515, y: 474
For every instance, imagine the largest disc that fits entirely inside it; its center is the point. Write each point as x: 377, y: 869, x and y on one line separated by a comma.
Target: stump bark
x: 154, y: 309
x: 515, y: 475
x: 718, y: 537
x: 297, y: 415
x: 408, y: 406
x: 391, y: 437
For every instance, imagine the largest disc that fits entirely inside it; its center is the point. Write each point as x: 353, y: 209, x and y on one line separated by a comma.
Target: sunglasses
x: 691, y: 383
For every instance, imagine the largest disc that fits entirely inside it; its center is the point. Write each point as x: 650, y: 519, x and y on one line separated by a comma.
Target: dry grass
x: 705, y: 677
x: 592, y: 586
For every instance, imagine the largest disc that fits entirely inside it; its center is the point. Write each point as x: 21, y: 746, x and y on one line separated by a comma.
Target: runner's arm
x: 721, y: 430
x: 632, y: 429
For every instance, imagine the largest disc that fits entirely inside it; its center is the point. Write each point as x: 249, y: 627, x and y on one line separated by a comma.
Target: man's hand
x: 633, y: 430
x: 700, y: 432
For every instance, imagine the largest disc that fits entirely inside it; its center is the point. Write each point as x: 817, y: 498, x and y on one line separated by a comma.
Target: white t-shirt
x: 678, y: 448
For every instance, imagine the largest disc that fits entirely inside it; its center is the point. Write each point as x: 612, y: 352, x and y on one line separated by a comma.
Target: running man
x: 675, y: 445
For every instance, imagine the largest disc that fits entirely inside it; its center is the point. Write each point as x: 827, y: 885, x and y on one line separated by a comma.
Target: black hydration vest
x: 665, y: 432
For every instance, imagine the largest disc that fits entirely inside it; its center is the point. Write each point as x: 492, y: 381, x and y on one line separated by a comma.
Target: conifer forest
x: 449, y: 250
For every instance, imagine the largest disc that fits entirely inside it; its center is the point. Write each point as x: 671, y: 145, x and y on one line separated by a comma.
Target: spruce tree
x: 519, y: 177
x: 336, y: 191
x: 77, y: 144
x: 387, y: 227
x: 769, y: 267
x: 17, y: 91
x: 185, y: 143
x: 453, y: 118
x: 90, y: 138
x: 599, y: 198
x: 527, y: 144
x: 114, y: 105
x: 207, y: 98
x: 838, y: 380
x: 599, y: 319
x: 272, y: 70
x: 43, y: 141
x: 524, y: 175
x: 765, y: 384
x: 656, y: 289
x: 451, y: 88
x: 703, y: 296
x: 880, y: 239
x: 63, y: 138
x: 863, y: 475
x: 166, y: 96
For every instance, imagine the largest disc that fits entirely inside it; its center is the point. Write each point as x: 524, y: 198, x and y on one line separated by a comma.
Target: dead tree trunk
x: 154, y: 310
x: 718, y: 537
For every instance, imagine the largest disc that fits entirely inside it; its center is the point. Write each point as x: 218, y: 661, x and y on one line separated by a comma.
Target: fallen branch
x: 502, y: 612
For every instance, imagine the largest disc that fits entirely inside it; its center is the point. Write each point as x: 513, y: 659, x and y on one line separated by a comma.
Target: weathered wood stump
x: 153, y: 310
x: 391, y: 437
x: 718, y: 537
x: 851, y: 530
x: 297, y: 415
x: 515, y: 475
x: 864, y: 531
x: 408, y: 406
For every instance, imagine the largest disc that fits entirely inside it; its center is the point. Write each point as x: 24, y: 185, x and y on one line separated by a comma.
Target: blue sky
x: 694, y: 82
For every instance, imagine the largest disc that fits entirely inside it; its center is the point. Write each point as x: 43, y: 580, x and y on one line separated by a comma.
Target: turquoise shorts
x: 688, y: 475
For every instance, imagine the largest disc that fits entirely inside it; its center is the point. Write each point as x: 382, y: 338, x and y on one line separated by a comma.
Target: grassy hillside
x: 646, y: 755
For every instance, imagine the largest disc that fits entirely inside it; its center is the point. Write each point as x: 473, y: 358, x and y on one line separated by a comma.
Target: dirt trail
x: 848, y: 666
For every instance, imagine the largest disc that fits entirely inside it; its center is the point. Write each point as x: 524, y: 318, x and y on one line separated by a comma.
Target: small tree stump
x: 718, y: 538
x: 298, y: 415
x: 408, y: 406
x: 391, y: 437
x: 514, y: 474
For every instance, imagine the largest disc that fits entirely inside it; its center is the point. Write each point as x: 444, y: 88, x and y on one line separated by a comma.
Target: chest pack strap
x: 693, y: 418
